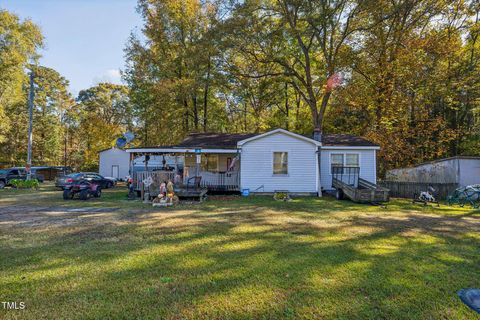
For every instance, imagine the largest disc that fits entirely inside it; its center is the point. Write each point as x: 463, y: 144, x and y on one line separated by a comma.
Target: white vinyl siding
x: 111, y: 158
x: 257, y: 164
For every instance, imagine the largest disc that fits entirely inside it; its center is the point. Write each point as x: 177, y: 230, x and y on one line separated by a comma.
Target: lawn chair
x: 194, y: 182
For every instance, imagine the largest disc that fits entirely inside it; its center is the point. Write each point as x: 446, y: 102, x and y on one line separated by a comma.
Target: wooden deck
x: 196, y: 194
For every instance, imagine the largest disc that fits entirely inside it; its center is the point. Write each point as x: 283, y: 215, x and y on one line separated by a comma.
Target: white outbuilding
x: 114, y: 162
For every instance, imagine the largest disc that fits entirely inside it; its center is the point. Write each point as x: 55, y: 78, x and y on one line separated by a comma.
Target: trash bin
x: 245, y: 192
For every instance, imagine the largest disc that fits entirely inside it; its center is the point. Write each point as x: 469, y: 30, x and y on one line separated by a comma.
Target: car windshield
x: 75, y: 175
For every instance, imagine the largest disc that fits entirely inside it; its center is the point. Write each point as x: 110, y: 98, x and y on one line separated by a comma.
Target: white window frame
x: 344, y: 159
x: 273, y: 163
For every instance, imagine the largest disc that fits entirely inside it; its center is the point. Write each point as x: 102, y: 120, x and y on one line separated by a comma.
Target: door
x: 115, y: 172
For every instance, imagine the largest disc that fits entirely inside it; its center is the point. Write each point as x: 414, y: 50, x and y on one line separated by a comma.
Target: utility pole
x: 30, y: 124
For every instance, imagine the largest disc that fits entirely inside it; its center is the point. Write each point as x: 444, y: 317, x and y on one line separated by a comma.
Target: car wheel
x: 84, y: 195
x: 109, y: 185
x: 67, y: 194
x: 2, y: 184
x: 98, y: 193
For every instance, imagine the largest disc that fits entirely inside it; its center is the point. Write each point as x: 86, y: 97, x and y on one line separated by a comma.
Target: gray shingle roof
x: 346, y: 140
x: 214, y: 140
x: 230, y: 140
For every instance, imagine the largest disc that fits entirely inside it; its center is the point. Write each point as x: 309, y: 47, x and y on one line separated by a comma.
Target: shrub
x: 24, y: 184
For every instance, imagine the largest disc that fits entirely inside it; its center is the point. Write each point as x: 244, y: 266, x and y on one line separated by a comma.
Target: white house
x: 275, y: 160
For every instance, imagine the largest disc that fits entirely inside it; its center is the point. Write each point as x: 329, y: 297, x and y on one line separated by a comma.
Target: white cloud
x: 110, y: 75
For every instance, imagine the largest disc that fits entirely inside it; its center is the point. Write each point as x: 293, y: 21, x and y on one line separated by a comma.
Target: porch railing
x: 228, y: 181
x: 157, y: 176
x: 221, y: 181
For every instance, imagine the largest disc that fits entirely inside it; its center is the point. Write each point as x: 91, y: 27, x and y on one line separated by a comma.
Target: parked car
x: 7, y: 175
x: 83, y: 188
x: 103, y: 182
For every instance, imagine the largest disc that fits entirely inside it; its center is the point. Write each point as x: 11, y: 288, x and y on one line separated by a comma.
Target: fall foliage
x: 405, y: 74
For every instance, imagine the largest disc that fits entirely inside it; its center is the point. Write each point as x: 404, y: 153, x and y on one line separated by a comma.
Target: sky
x: 84, y: 39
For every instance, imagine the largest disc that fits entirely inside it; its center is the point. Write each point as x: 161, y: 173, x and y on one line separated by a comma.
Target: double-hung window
x: 351, y: 160
x: 340, y: 160
x: 336, y: 161
x: 280, y: 163
x: 210, y: 162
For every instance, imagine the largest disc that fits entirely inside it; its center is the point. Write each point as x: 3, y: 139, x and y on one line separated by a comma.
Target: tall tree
x: 102, y: 114
x: 19, y: 42
x: 304, y: 41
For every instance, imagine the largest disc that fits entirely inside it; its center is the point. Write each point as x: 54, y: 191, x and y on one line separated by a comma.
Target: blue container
x: 245, y: 192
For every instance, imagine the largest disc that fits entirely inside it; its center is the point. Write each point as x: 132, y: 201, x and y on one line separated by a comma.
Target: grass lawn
x: 234, y: 258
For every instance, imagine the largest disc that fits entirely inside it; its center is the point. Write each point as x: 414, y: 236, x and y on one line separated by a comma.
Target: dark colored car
x: 7, y: 175
x: 101, y: 181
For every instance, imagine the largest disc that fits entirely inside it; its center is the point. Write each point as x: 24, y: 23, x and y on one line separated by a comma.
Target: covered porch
x: 213, y: 169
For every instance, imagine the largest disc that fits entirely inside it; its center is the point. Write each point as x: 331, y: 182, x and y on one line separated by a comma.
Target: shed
x: 114, y: 162
x: 460, y: 170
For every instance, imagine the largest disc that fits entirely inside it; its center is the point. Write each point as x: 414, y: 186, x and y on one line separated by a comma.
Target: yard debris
x: 426, y: 197
x: 463, y: 195
x: 166, y: 197
x: 281, y: 195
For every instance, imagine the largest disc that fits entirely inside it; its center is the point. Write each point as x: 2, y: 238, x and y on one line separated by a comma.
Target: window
x: 280, y: 163
x: 351, y: 160
x: 336, y: 161
x: 343, y: 160
x: 210, y: 162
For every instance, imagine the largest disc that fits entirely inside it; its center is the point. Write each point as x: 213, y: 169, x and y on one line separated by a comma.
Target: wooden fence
x: 409, y: 189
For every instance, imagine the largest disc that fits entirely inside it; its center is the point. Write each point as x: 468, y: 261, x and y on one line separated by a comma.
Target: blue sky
x: 84, y: 39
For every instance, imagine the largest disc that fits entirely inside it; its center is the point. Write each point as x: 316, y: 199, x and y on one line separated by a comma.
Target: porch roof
x: 214, y: 140
x: 177, y: 150
x: 207, y: 142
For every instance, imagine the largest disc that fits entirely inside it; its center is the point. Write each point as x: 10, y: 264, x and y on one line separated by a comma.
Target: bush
x: 24, y: 184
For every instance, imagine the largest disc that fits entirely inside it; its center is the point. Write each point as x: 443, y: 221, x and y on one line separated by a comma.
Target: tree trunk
x: 195, y: 111
x: 187, y: 124
x: 245, y: 117
x: 297, y: 112
x: 286, y: 106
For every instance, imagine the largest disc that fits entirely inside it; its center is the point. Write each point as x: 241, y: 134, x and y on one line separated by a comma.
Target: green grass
x: 235, y: 258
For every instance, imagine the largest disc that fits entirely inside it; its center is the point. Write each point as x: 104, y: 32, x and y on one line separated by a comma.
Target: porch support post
x: 130, y: 173
x: 239, y: 172
x: 176, y: 164
x: 197, y: 163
